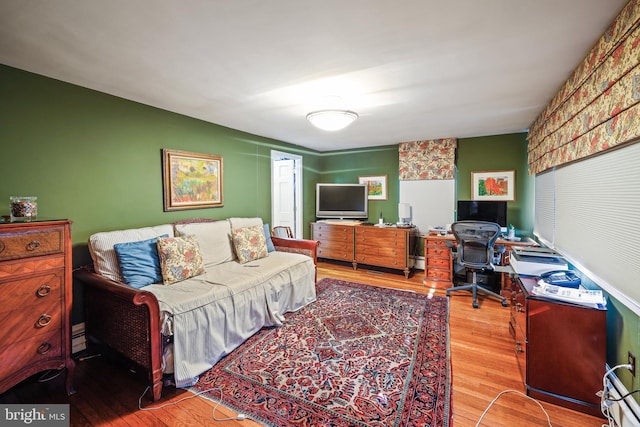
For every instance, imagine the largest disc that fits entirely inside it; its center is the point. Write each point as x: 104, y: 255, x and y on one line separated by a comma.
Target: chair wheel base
x: 475, y: 305
x: 505, y: 304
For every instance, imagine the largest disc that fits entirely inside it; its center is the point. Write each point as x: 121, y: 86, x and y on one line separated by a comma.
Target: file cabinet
x: 560, y: 348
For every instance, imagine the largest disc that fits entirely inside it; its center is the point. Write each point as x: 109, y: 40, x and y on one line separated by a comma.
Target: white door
x: 286, y: 191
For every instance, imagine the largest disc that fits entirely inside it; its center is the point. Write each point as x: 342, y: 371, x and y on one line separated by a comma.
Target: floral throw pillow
x: 250, y: 243
x: 180, y: 258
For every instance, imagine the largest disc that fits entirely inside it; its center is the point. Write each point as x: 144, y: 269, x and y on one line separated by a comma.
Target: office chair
x: 475, y: 253
x: 282, y: 231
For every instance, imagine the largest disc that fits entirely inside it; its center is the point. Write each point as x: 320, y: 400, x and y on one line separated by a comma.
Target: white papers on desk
x: 581, y: 296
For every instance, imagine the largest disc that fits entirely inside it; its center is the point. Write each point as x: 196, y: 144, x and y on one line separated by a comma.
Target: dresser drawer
x: 30, y: 351
x: 379, y: 241
x: 29, y: 291
x: 339, y: 254
x: 437, y: 262
x: 381, y: 261
x: 30, y: 321
x: 382, y: 233
x: 438, y: 274
x: 441, y: 251
x: 24, y: 244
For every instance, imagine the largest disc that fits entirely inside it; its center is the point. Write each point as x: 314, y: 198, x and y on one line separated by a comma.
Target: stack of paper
x: 581, y: 296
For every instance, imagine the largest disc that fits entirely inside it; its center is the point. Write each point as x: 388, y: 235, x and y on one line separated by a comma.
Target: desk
x: 438, y: 262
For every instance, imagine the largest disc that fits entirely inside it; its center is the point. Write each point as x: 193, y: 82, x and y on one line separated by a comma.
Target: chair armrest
x: 301, y: 246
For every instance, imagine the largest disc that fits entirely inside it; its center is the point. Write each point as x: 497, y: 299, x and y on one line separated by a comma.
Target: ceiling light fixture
x: 331, y: 120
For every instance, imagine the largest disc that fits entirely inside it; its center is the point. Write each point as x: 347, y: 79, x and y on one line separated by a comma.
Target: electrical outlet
x: 632, y: 362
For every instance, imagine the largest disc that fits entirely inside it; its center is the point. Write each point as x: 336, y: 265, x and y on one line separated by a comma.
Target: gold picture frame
x: 377, y: 186
x: 191, y: 180
x: 494, y: 185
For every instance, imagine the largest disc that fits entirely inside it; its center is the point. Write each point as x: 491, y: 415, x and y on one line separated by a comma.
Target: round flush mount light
x: 331, y: 120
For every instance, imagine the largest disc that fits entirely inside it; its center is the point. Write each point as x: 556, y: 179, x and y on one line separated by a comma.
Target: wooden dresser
x: 560, y: 348
x: 336, y: 241
x: 35, y: 290
x: 388, y: 247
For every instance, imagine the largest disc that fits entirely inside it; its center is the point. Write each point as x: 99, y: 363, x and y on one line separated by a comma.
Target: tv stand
x: 387, y: 247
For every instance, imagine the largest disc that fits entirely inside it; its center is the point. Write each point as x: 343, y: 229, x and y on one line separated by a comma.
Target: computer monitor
x: 483, y: 210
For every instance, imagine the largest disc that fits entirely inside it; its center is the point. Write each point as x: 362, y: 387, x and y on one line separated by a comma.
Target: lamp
x: 331, y: 120
x: 404, y: 213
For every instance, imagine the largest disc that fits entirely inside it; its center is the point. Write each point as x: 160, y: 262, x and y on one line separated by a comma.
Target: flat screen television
x: 483, y: 210
x: 342, y: 201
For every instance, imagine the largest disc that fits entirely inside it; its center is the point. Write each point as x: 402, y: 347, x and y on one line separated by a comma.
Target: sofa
x: 175, y: 298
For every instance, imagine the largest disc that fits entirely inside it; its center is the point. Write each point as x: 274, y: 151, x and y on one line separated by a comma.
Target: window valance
x: 429, y: 159
x: 598, y: 107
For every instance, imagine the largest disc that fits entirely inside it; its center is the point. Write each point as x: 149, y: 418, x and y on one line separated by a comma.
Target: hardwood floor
x: 482, y: 359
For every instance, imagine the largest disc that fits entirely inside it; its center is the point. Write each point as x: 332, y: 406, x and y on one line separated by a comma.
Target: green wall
x: 347, y: 166
x: 96, y: 159
x: 499, y: 152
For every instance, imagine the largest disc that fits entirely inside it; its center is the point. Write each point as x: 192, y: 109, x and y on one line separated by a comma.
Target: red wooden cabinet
x: 561, y: 348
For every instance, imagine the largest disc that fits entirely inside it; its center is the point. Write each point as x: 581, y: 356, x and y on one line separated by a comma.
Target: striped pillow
x: 105, y: 261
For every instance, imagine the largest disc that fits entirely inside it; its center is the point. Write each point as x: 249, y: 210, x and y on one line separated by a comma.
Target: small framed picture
x: 377, y: 186
x: 191, y: 180
x: 494, y: 185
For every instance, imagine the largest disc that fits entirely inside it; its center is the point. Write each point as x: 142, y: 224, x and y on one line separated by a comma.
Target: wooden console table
x: 388, y: 247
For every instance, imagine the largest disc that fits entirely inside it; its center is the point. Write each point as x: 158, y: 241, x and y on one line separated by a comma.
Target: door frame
x: 297, y: 171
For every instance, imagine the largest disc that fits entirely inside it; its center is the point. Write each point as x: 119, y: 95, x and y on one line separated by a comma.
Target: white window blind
x: 596, y: 214
x: 545, y: 207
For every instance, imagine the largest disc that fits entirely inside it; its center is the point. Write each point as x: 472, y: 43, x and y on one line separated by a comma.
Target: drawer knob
x: 33, y: 245
x: 44, y: 348
x: 43, y: 291
x: 44, y: 320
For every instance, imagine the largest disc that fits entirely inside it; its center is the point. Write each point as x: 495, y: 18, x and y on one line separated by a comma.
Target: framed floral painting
x: 494, y: 185
x: 377, y: 186
x: 191, y: 180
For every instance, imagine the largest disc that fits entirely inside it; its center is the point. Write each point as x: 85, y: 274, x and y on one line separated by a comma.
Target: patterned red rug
x: 358, y: 356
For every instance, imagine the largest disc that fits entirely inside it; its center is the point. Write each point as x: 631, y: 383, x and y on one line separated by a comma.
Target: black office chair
x: 475, y: 253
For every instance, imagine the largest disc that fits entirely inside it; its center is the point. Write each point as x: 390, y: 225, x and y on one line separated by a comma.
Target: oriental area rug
x: 359, y: 356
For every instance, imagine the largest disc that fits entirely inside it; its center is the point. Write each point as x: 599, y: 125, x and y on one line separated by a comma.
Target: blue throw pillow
x: 139, y: 262
x: 267, y: 236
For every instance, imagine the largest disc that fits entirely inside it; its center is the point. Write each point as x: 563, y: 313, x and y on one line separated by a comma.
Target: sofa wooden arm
x: 302, y: 246
x: 125, y: 319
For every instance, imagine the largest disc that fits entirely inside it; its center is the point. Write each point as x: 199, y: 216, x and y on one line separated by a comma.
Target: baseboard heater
x: 418, y: 262
x: 625, y: 413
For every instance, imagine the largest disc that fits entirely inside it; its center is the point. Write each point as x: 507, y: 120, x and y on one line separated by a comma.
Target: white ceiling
x: 412, y: 69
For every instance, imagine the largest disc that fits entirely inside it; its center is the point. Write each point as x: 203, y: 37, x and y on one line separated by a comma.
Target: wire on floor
x: 238, y: 417
x: 517, y: 392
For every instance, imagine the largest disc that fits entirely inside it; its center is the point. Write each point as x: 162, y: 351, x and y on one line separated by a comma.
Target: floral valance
x: 430, y: 159
x: 598, y: 107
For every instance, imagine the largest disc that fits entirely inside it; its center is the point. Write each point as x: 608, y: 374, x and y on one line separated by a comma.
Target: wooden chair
x: 282, y: 232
